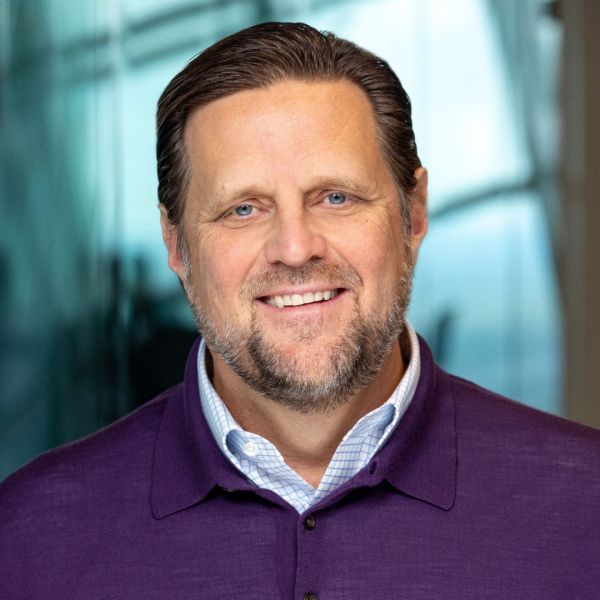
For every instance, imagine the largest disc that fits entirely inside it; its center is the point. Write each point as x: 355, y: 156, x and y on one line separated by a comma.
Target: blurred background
x: 505, y: 92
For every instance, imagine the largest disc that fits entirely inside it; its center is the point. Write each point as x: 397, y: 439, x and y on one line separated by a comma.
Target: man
x: 314, y: 449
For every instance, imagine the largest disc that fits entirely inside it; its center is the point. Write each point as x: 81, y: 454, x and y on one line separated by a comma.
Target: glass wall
x: 94, y: 323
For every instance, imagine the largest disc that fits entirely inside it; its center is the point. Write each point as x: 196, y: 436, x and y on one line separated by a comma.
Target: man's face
x: 298, y: 266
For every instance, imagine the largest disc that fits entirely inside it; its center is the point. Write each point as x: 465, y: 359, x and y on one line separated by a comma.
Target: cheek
x: 376, y: 251
x: 221, y: 268
x: 374, y: 244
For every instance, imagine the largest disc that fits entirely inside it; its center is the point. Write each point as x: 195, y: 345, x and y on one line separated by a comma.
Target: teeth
x: 300, y: 299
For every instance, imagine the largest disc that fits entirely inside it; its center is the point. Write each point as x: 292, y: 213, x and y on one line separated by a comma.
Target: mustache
x: 339, y: 276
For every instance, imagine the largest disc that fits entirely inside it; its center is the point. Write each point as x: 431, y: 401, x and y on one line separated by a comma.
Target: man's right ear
x: 170, y: 234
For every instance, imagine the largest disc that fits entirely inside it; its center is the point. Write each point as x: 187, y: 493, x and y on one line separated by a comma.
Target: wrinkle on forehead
x: 275, y: 109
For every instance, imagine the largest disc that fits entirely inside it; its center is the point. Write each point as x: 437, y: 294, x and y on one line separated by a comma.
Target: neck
x: 307, y: 442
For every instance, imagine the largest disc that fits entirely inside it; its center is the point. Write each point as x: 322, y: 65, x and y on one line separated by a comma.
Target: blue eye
x: 243, y: 210
x: 336, y: 198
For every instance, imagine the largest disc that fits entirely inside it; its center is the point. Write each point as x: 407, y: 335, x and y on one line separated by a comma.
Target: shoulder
x: 516, y: 439
x: 116, y: 457
x: 72, y: 502
x: 477, y: 406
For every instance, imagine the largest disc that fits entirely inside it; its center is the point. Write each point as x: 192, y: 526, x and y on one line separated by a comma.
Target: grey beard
x: 354, y: 360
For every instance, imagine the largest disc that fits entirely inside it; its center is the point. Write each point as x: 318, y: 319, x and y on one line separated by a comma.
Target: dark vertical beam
x: 581, y: 208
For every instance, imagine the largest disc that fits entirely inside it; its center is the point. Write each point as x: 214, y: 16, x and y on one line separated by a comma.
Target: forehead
x: 289, y: 129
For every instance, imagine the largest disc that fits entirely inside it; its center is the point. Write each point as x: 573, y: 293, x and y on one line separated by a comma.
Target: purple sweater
x: 473, y: 496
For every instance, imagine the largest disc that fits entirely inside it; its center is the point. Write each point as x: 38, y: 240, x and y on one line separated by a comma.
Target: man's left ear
x: 418, y: 211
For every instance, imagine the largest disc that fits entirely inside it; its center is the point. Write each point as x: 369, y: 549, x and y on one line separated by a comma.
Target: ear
x: 170, y: 234
x: 418, y: 211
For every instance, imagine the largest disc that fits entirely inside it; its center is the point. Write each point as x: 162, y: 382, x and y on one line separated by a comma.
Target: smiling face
x: 298, y: 267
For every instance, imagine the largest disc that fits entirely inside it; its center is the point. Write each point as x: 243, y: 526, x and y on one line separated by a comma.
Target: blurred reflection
x: 161, y: 336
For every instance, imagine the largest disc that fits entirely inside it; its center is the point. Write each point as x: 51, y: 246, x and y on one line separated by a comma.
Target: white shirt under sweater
x: 261, y: 462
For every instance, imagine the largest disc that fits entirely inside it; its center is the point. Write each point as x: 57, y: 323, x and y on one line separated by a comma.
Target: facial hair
x: 353, y: 361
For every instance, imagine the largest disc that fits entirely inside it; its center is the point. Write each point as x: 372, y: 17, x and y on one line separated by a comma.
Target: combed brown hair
x: 265, y: 54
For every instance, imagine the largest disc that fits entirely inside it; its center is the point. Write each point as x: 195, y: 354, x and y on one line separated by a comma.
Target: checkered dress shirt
x: 261, y: 462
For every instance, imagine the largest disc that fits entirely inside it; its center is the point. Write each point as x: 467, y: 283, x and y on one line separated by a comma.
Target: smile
x: 300, y: 299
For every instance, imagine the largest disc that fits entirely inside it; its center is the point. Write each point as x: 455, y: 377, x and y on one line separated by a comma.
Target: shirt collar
x: 418, y: 459
x: 187, y: 462
x: 221, y: 422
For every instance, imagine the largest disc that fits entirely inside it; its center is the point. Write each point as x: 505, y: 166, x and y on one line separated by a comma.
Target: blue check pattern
x: 261, y: 462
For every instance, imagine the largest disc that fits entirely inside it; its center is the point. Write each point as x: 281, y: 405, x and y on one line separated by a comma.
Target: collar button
x: 250, y: 449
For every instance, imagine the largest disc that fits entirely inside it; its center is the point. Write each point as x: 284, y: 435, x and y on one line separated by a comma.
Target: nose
x: 294, y: 239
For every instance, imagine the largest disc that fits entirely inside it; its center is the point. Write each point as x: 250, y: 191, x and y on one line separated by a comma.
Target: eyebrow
x: 363, y: 188
x: 223, y: 198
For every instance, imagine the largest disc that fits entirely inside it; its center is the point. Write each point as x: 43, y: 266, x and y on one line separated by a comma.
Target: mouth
x: 286, y: 300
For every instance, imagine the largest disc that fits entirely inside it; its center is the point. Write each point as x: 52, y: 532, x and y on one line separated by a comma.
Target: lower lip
x: 310, y: 309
